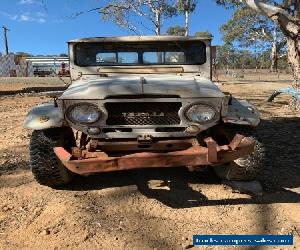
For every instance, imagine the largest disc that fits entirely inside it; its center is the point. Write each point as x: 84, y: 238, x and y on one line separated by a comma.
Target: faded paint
x: 95, y: 84
x: 185, y: 86
x: 78, y: 72
x: 118, y: 39
x: 242, y: 112
x: 140, y: 130
x: 44, y: 116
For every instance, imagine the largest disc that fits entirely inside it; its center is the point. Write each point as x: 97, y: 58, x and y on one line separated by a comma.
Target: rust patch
x: 212, y: 146
x: 236, y: 141
x: 44, y: 119
x: 196, y: 155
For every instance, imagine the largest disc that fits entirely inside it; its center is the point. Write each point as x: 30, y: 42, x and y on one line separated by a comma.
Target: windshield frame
x: 188, y: 47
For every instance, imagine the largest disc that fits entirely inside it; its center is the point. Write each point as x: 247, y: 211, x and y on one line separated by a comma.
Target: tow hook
x: 145, y: 139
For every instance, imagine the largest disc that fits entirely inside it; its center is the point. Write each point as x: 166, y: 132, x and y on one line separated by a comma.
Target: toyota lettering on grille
x: 143, y: 114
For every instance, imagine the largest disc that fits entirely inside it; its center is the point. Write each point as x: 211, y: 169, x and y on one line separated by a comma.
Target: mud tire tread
x: 45, y: 166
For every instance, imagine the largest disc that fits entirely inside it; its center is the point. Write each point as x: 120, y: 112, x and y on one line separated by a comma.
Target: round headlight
x: 200, y: 113
x: 84, y: 113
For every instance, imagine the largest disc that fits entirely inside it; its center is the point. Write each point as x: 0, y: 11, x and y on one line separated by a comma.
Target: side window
x: 153, y: 57
x: 196, y: 54
x: 174, y: 57
x: 128, y: 57
x: 163, y: 57
x: 106, y: 58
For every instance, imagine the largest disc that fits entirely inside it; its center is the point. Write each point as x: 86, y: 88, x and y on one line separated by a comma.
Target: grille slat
x: 143, y: 113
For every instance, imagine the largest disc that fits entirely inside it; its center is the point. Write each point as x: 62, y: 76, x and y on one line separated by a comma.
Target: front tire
x: 245, y: 168
x: 45, y: 166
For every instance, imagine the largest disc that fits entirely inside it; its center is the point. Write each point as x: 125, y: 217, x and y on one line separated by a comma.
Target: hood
x: 185, y: 86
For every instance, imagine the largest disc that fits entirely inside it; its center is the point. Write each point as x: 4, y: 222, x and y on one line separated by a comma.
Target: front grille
x: 143, y: 113
x: 141, y: 96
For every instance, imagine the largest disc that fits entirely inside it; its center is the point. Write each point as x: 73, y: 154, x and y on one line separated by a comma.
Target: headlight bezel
x: 188, y: 108
x: 72, y: 107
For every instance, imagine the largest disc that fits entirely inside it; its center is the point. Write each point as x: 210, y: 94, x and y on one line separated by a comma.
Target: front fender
x: 242, y: 112
x: 44, y: 116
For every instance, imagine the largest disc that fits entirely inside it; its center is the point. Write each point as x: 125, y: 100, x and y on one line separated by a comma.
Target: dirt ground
x: 19, y: 83
x: 149, y: 208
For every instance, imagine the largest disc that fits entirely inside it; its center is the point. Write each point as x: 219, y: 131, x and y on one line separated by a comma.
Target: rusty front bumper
x: 96, y: 162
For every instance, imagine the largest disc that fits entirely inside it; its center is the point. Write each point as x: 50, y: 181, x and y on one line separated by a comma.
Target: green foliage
x: 229, y: 57
x: 250, y: 30
x: 247, y: 27
x: 186, y: 5
x: 230, y: 3
x: 176, y: 31
x: 133, y: 14
x: 204, y: 34
x: 24, y: 54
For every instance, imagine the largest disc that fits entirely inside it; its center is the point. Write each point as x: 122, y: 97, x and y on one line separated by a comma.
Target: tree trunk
x: 291, y: 31
x: 157, y: 22
x: 294, y: 60
x: 274, y: 57
x: 187, y: 16
x: 293, y: 44
x: 289, y: 24
x: 274, y: 52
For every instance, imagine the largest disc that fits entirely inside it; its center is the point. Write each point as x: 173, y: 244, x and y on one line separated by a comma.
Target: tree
x: 223, y: 56
x: 286, y: 15
x: 231, y: 57
x: 203, y: 34
x: 176, y: 31
x: 186, y: 7
x: 24, y: 54
x: 128, y: 13
x: 249, y: 29
x: 279, y: 48
x: 227, y: 57
x: 63, y: 55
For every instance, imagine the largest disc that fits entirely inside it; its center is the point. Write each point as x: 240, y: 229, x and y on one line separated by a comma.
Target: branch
x: 267, y: 9
x: 102, y: 10
x: 288, y: 24
x: 77, y: 14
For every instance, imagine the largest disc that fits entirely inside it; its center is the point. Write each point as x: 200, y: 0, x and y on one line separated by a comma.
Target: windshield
x: 155, y: 53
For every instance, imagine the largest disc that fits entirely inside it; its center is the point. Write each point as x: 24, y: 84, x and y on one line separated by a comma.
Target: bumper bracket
x: 196, y: 155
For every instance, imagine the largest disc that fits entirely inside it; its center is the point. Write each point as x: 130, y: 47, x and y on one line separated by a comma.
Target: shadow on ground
x: 281, y: 170
x: 281, y: 137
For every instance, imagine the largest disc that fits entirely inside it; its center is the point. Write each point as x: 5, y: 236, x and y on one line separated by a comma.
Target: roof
x: 140, y: 39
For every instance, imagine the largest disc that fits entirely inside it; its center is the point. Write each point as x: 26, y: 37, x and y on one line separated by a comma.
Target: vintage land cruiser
x: 142, y: 102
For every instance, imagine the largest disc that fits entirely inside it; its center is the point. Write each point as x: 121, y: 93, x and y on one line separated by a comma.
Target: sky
x: 44, y: 29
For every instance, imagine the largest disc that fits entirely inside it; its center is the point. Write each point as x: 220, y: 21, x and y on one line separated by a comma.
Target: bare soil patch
x: 19, y: 83
x: 148, y: 209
